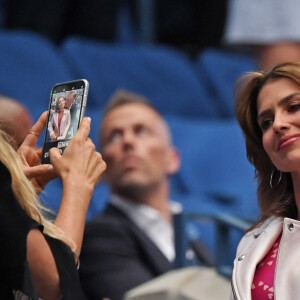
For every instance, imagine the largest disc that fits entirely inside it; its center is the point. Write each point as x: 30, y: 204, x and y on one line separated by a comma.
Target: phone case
x: 66, y: 110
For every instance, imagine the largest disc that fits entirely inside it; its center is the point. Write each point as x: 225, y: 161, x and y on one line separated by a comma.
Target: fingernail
x: 50, y: 168
x: 89, y: 119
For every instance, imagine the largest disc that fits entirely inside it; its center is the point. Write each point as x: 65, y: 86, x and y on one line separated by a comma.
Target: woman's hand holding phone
x: 80, y: 165
x: 30, y: 157
x: 80, y: 160
x: 80, y: 168
x: 53, y: 136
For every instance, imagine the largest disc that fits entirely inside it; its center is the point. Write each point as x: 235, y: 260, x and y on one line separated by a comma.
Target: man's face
x: 136, y: 147
x: 18, y: 126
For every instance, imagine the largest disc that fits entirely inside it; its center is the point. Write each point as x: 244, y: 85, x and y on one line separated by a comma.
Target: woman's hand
x: 30, y: 156
x: 80, y: 162
x: 80, y: 168
x: 53, y: 136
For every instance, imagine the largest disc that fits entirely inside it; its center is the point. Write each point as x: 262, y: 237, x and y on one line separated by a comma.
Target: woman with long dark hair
x: 268, y: 111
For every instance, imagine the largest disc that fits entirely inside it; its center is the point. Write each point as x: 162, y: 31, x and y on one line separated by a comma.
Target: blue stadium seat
x: 215, y: 174
x: 51, y: 197
x: 215, y: 178
x: 94, y: 112
x: 30, y: 66
x: 218, y: 70
x: 167, y: 77
x: 101, y: 192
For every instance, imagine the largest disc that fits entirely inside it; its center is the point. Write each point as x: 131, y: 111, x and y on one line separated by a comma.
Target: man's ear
x: 173, y: 163
x: 104, y: 177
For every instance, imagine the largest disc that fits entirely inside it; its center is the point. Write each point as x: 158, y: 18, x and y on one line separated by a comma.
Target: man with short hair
x: 15, y: 120
x: 132, y: 241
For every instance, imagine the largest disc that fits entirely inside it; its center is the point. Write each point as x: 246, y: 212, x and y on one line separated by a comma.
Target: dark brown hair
x: 278, y: 200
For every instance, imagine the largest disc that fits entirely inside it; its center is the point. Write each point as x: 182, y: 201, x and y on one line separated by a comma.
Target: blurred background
x: 171, y: 51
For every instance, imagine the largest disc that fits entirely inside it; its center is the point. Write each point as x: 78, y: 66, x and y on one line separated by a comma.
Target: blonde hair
x: 25, y: 192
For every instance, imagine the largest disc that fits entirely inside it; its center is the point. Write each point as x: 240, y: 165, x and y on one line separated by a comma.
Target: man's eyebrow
x: 281, y: 103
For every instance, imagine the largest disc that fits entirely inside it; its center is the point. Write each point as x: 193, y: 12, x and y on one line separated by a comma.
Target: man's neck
x: 156, y: 198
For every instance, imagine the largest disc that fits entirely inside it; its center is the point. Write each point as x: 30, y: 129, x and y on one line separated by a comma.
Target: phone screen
x: 66, y: 110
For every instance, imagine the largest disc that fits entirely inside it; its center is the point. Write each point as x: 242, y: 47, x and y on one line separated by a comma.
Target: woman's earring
x: 278, y: 180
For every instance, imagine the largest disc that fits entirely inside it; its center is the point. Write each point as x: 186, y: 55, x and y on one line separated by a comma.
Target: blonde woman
x: 39, y: 258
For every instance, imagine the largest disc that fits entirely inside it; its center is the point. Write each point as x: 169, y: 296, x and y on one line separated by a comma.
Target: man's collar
x: 130, y: 207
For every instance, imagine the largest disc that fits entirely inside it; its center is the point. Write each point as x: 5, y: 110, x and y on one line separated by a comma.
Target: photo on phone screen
x: 66, y: 110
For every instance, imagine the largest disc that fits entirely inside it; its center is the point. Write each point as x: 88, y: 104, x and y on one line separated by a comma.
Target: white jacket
x: 64, y: 124
x: 255, y: 245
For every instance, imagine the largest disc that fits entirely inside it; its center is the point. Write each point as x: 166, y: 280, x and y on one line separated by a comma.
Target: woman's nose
x: 280, y: 124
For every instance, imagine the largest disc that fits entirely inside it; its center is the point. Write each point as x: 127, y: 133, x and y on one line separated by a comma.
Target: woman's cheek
x: 267, y: 143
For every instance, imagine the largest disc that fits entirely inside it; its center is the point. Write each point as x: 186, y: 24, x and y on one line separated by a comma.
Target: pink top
x: 60, y: 116
x: 263, y: 281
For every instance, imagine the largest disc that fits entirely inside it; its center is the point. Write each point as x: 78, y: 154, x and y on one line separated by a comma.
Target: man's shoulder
x: 111, y: 232
x: 110, y: 219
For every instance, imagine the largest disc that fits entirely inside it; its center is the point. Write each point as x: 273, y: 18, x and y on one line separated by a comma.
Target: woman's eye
x: 265, y: 124
x: 294, y: 107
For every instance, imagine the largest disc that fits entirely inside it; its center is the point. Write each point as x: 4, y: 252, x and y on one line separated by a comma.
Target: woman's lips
x: 287, y: 140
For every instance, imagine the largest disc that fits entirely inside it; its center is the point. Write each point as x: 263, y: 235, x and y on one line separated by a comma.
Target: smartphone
x: 66, y: 109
